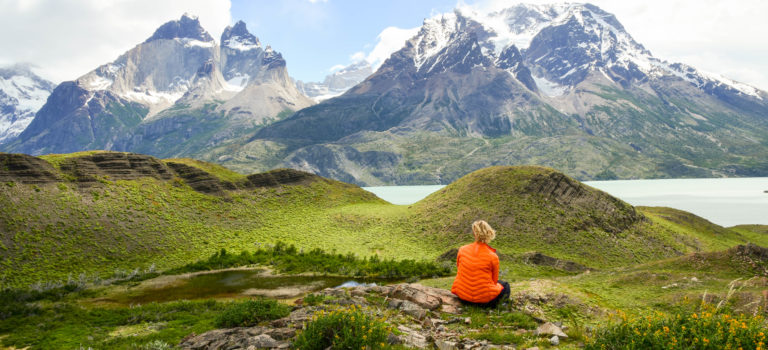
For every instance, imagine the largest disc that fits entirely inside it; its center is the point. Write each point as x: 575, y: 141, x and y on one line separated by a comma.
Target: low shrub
x: 289, y: 259
x: 706, y: 328
x: 251, y: 312
x: 313, y: 299
x: 346, y: 328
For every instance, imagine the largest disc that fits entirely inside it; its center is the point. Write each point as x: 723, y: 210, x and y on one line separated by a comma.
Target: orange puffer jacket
x: 478, y: 273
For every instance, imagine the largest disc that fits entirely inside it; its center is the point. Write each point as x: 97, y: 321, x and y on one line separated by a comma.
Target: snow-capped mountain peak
x: 562, y: 44
x: 435, y: 34
x: 22, y: 93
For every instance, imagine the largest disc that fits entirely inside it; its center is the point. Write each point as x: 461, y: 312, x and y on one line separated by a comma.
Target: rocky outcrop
x: 540, y: 259
x: 92, y: 169
x: 200, y: 180
x: 241, y: 338
x: 420, y: 303
x: 281, y: 177
x: 114, y: 166
x: 26, y: 169
x: 425, y: 318
x: 421, y: 314
x: 569, y: 192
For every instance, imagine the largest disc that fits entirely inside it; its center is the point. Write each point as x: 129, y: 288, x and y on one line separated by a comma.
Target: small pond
x: 228, y: 284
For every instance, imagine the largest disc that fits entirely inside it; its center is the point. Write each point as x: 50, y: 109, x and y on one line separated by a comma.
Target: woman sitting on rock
x: 477, y: 280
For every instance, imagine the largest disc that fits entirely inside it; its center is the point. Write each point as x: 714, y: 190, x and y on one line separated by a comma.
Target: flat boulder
x: 426, y: 297
x: 549, y: 329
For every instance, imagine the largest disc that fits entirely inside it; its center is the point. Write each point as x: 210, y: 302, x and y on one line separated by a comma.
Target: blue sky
x: 315, y: 36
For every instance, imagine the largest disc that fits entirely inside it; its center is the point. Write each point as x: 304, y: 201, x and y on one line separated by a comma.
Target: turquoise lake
x: 726, y: 202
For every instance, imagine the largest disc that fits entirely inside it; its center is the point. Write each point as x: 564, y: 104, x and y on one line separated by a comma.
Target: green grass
x: 640, y: 259
x: 66, y: 325
x: 52, y: 231
x: 57, y: 159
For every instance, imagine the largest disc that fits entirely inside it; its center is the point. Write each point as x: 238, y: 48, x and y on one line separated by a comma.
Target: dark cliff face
x: 185, y: 27
x: 75, y: 119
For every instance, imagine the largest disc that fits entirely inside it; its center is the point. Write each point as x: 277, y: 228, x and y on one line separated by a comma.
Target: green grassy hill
x: 95, y: 212
x: 540, y: 209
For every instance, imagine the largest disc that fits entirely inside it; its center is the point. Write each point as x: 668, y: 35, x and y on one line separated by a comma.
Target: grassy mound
x: 103, y: 213
x: 110, y: 211
x: 539, y: 209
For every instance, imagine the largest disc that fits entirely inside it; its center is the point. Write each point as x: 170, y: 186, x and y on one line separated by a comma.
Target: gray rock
x: 550, y: 328
x: 394, y: 303
x: 413, y: 310
x: 445, y: 345
x: 264, y: 341
x: 555, y: 340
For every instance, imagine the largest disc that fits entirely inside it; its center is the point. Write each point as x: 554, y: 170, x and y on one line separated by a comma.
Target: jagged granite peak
x: 22, y: 93
x: 243, y: 60
x: 178, y: 79
x: 187, y: 27
x: 239, y: 38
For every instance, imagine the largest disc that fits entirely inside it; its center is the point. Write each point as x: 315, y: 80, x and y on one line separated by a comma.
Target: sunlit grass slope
x: 68, y: 226
x: 540, y: 209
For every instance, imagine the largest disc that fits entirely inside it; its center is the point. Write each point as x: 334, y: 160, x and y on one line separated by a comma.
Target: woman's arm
x: 495, y: 269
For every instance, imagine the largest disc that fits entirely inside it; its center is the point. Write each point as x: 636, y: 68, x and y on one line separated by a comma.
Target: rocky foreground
x: 423, y: 317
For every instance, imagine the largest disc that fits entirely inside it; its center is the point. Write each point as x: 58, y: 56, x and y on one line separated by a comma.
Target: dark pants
x: 504, y: 295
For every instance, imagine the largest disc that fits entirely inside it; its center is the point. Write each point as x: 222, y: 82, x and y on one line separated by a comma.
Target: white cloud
x: 727, y: 37
x: 390, y: 40
x: 335, y: 68
x: 67, y: 39
x: 357, y: 56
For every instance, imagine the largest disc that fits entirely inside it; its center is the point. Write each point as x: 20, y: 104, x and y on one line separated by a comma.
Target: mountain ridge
x: 558, y: 85
x: 179, y: 74
x: 596, y: 102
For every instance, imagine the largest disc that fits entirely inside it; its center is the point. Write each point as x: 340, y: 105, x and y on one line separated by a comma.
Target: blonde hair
x: 483, y: 232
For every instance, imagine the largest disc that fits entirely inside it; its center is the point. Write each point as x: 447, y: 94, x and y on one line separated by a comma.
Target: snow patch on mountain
x: 97, y: 82
x: 606, y: 42
x: 22, y: 94
x: 516, y: 25
x: 153, y: 97
x: 238, y: 82
x: 549, y: 88
x: 434, y: 36
x: 336, y: 83
x: 28, y: 93
x: 241, y: 44
x: 199, y: 43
